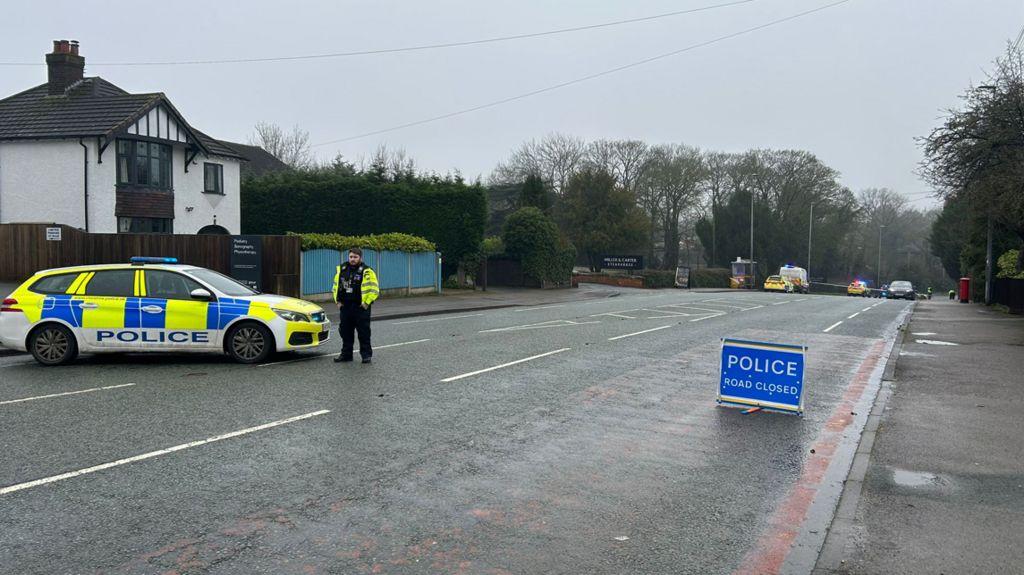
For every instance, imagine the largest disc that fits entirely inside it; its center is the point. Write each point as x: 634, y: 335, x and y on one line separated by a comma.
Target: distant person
x: 929, y: 292
x: 355, y: 290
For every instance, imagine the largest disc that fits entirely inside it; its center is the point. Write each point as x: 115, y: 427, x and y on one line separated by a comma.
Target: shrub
x: 533, y: 238
x: 1008, y: 265
x: 658, y: 278
x: 380, y: 242
x: 710, y: 278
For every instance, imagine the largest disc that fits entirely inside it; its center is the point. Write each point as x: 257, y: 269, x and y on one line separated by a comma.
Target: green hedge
x: 710, y: 278
x: 379, y: 242
x: 445, y: 211
x: 658, y: 278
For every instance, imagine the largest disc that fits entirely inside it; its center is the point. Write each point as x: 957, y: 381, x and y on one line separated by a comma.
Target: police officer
x: 355, y: 289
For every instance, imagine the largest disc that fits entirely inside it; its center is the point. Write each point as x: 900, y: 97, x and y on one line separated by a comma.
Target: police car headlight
x: 289, y: 315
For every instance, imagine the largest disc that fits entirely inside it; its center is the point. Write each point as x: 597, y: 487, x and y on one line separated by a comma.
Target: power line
x: 584, y: 78
x: 411, y: 48
x: 1020, y: 36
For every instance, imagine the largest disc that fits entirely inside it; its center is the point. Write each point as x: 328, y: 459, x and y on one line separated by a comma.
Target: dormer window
x: 143, y: 164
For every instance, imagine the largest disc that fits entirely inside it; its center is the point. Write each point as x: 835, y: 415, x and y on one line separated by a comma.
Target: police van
x: 153, y: 304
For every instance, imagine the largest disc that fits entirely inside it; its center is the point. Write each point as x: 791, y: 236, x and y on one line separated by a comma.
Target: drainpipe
x: 85, y: 180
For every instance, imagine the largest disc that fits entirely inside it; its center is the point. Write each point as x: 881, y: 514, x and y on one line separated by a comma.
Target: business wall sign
x: 760, y: 374
x: 622, y: 262
x: 246, y: 260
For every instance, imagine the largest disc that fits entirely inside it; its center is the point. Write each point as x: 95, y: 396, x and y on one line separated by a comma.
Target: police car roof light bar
x: 150, y: 260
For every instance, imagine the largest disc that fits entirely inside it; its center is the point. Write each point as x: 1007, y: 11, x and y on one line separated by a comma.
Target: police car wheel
x: 249, y: 343
x: 53, y: 344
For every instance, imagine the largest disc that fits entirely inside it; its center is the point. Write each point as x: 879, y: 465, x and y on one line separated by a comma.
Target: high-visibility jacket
x: 369, y: 288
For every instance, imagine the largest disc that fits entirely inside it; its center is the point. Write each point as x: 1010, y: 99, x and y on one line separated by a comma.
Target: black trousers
x: 355, y: 319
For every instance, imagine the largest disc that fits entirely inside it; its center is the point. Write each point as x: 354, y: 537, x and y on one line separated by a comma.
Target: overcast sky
x: 854, y: 84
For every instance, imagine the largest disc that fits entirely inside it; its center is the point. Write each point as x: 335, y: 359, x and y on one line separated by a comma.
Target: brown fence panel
x: 25, y: 250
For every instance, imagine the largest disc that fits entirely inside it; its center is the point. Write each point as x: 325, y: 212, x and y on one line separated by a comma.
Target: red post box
x: 965, y: 290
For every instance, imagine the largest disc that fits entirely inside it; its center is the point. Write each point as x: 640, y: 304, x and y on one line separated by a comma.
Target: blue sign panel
x: 758, y: 374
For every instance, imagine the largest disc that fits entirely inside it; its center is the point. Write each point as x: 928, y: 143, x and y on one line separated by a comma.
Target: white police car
x: 153, y: 304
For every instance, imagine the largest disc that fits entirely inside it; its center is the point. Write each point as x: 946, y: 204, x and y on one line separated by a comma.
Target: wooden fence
x: 25, y: 249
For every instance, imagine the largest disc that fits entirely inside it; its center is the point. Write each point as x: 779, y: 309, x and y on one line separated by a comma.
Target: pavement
x: 938, y: 485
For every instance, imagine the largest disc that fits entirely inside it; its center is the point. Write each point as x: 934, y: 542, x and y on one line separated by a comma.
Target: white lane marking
x: 541, y: 325
x: 399, y: 344
x: 438, y: 318
x: 802, y: 299
x: 781, y: 303
x: 525, y: 359
x: 615, y: 314
x: 935, y: 342
x: 708, y: 317
x: 9, y: 401
x: 151, y: 454
x: 739, y: 307
x: 925, y: 333
x: 868, y: 308
x: 833, y: 326
x: 537, y: 308
x: 750, y: 308
x: 853, y: 316
x: 681, y: 306
x: 638, y: 333
x: 319, y: 355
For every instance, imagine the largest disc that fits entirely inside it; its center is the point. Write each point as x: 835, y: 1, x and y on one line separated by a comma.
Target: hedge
x: 445, y: 211
x: 379, y: 242
x: 710, y: 278
x: 658, y: 278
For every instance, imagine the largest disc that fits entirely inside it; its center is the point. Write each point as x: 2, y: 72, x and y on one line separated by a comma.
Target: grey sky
x: 853, y: 84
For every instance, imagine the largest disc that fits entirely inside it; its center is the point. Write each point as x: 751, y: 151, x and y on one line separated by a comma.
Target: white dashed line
x: 781, y: 303
x: 9, y: 401
x: 638, y: 333
x: 853, y: 316
x: 708, y: 317
x: 151, y: 454
x: 537, y: 308
x: 525, y: 359
x: 438, y: 318
x: 833, y: 326
x: 868, y: 308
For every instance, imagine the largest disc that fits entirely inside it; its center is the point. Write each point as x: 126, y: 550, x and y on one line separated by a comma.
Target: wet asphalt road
x: 606, y: 456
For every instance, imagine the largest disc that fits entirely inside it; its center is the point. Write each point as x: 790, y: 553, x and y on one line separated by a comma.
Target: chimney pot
x: 65, y: 67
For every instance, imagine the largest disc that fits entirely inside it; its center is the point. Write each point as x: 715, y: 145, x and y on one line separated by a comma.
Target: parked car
x: 858, y: 288
x: 153, y: 304
x: 778, y: 283
x: 902, y: 290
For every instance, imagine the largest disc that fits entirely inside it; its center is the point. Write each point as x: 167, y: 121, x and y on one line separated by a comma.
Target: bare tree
x: 675, y: 176
x: 623, y: 159
x: 555, y: 158
x: 292, y: 149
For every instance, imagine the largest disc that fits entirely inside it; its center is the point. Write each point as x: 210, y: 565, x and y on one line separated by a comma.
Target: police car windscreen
x: 221, y: 282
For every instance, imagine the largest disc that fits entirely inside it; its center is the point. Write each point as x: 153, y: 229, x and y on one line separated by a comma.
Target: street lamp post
x: 878, y: 270
x: 753, y: 269
x: 810, y: 228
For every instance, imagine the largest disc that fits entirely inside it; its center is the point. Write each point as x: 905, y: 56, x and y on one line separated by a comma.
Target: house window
x: 144, y: 225
x: 213, y: 178
x: 144, y: 164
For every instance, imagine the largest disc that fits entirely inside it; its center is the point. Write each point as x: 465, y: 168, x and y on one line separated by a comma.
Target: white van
x: 798, y: 276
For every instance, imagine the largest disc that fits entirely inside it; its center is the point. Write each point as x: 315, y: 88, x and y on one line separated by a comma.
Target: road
x: 580, y: 437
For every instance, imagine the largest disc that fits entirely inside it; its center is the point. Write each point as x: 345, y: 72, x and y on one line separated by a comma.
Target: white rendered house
x: 82, y: 152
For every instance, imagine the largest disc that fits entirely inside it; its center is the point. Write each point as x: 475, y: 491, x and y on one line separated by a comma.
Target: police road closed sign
x: 759, y: 374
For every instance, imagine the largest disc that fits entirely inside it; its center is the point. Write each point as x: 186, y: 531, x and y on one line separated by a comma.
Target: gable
x: 159, y: 123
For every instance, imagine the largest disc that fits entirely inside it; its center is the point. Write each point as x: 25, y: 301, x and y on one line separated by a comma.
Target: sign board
x: 759, y: 374
x: 622, y: 263
x: 682, y: 277
x: 246, y: 260
x: 53, y: 234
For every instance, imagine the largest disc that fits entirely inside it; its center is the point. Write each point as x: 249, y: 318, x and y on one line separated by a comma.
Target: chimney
x: 65, y: 66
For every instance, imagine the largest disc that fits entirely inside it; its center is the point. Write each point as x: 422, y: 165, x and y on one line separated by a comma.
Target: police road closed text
x: 761, y: 374
x: 759, y: 365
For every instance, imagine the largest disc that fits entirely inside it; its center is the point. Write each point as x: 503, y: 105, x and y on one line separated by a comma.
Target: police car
x: 153, y: 304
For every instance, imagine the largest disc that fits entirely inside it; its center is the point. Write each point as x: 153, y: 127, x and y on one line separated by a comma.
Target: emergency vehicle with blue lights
x: 153, y: 305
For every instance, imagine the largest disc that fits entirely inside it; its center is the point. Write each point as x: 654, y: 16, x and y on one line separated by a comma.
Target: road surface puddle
x: 913, y: 478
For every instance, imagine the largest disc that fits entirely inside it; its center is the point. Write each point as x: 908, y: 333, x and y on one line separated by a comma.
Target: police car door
x: 102, y: 302
x: 166, y: 305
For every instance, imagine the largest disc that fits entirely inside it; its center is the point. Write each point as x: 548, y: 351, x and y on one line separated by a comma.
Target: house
x: 259, y: 161
x: 82, y: 152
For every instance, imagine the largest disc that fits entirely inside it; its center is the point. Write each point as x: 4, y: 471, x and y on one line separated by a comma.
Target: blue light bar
x: 148, y: 260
